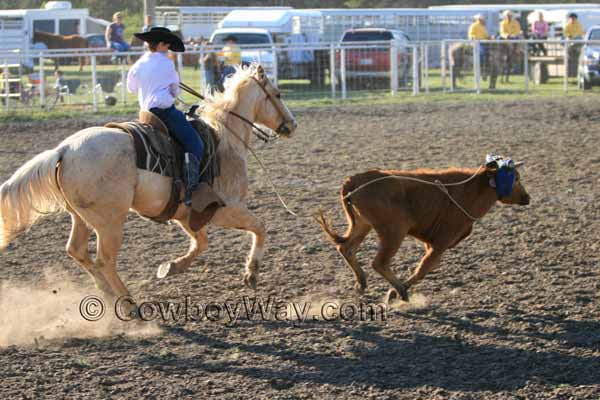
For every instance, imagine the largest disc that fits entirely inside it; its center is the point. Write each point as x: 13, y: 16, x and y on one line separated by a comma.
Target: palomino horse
x: 53, y: 41
x: 93, y: 176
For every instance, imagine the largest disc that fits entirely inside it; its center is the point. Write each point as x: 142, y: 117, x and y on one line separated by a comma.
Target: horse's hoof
x: 166, y: 269
x: 250, y: 281
x: 360, y: 289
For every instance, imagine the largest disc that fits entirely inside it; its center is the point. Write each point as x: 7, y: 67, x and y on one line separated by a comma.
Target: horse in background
x: 499, y: 61
x: 53, y: 41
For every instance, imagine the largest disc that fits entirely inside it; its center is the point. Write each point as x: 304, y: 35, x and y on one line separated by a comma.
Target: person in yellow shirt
x: 478, y: 31
x: 229, y: 57
x: 573, y: 29
x: 510, y: 27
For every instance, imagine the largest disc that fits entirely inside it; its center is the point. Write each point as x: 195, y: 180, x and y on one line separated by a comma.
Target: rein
x: 442, y: 186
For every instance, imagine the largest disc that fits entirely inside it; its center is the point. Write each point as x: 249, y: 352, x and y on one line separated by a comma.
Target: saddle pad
x: 155, y: 151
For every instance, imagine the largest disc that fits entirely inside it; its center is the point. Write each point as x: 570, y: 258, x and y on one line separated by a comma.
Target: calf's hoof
x: 360, y: 288
x: 394, y: 294
x: 250, y: 280
x: 167, y: 269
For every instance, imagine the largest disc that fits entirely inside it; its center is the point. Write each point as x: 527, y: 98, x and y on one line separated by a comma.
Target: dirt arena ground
x: 513, y: 313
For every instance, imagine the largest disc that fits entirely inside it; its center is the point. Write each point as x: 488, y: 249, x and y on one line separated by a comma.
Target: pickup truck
x: 367, y: 54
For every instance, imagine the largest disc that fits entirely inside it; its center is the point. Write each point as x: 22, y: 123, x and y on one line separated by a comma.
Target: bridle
x: 258, y: 132
x: 275, y: 101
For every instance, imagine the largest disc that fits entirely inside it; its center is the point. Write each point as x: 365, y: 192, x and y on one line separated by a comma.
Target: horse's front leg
x: 198, y: 244
x: 238, y: 217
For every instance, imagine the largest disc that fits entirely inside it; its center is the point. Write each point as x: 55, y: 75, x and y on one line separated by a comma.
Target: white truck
x: 283, y: 38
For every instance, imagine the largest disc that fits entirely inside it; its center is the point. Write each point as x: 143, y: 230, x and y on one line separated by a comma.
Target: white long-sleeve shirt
x: 154, y: 79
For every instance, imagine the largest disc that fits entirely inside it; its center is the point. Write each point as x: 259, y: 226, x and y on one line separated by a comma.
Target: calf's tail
x: 322, y: 220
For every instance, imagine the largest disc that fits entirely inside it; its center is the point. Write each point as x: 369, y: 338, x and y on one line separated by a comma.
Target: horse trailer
x: 17, y: 28
x: 198, y: 22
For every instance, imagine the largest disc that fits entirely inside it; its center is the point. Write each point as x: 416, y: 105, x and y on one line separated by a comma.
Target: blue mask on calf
x: 505, y: 178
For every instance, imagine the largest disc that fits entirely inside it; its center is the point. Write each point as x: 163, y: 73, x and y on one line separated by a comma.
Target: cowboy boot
x: 191, y: 176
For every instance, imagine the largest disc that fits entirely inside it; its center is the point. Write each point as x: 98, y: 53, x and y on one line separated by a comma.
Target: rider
x: 478, y: 31
x: 510, y: 27
x: 156, y: 82
x: 573, y: 29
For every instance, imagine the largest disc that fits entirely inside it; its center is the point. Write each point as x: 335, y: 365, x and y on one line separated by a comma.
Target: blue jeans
x: 181, y: 129
x: 119, y: 46
x: 482, y: 54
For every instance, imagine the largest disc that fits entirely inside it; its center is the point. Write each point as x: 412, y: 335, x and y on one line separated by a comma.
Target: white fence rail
x: 95, y: 77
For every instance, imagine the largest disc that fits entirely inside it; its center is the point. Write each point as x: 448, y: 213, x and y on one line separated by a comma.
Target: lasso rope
x: 442, y: 186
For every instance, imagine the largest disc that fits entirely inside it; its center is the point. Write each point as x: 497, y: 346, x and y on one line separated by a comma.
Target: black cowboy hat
x: 572, y: 15
x: 160, y: 34
x: 230, y: 37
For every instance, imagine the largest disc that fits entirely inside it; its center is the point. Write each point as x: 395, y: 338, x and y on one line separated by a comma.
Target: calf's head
x: 506, y: 179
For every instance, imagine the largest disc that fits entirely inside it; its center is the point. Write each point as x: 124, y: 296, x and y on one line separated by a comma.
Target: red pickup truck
x: 367, y: 53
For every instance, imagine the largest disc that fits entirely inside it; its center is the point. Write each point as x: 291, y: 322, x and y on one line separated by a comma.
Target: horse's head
x: 269, y: 108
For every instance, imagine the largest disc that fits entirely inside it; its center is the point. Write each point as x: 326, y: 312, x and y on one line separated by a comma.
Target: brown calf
x: 397, y: 207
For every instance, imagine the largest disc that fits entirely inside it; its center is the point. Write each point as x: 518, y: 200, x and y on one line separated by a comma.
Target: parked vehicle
x: 588, y: 70
x: 256, y: 45
x: 368, y: 54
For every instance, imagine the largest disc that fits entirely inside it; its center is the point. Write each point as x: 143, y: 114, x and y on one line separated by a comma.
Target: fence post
x: 415, y: 63
x: 203, y: 84
x: 393, y: 68
x: 526, y: 66
x: 275, y: 65
x: 443, y: 58
x: 343, y: 71
x: 477, y: 67
x: 332, y: 69
x: 6, y: 85
x: 180, y: 65
x: 566, y: 67
x: 426, y: 67
x: 42, y: 83
x: 94, y: 83
x: 123, y: 84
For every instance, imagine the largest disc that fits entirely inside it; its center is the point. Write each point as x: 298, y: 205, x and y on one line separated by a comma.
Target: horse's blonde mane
x: 219, y: 103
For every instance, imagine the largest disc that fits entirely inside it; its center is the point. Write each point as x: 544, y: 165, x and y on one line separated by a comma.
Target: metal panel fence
x: 94, y: 78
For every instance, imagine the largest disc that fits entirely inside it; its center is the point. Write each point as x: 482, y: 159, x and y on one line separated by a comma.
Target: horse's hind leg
x: 348, y: 251
x: 77, y: 248
x: 198, y: 244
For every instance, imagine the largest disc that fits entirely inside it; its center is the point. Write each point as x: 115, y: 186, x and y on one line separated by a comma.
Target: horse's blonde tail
x: 30, y: 193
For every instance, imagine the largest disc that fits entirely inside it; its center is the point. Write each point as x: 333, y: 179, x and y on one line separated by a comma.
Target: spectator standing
x: 229, y: 56
x: 211, y: 67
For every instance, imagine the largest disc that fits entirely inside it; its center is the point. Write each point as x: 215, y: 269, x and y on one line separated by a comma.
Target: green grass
x: 296, y: 93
